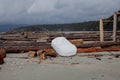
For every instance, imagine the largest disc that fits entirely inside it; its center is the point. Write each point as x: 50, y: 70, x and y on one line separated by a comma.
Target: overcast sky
x: 55, y: 11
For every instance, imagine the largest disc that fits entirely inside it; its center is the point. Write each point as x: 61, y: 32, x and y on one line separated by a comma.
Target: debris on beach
x: 32, y: 54
x: 98, y: 58
x: 42, y: 55
x: 38, y: 44
x: 45, y: 53
x: 117, y: 55
x: 63, y: 47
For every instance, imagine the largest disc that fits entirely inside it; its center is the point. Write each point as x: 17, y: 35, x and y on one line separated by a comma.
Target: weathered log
x: 24, y: 43
x: 34, y: 46
x: 80, y: 50
x: 20, y: 46
x: 19, y: 49
x: 112, y: 48
x: 76, y: 41
x: 2, y: 53
x: 97, y: 44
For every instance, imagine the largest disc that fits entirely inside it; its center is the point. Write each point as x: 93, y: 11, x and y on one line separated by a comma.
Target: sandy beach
x: 19, y: 67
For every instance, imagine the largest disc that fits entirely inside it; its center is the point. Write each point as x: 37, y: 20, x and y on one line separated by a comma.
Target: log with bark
x: 111, y: 48
x: 34, y: 46
x: 24, y: 46
x: 76, y: 41
x: 81, y: 50
x: 97, y: 44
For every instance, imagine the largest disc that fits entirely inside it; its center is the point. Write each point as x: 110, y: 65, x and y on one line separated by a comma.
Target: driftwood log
x: 19, y: 46
x: 80, y: 50
x: 97, y: 44
x: 24, y: 46
x: 115, y: 48
x: 2, y: 55
x: 76, y: 41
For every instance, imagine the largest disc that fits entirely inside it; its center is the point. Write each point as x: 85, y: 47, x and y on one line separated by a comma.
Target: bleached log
x: 101, y: 30
x: 114, y: 27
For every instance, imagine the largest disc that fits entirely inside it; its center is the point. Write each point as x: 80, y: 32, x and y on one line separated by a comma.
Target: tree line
x: 83, y: 26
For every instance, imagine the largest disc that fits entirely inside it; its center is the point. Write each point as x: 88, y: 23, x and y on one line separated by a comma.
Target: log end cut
x: 2, y: 53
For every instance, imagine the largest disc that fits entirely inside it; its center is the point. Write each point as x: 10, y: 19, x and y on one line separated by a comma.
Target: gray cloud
x: 55, y: 11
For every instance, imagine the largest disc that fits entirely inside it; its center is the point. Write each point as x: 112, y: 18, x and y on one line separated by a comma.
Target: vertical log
x: 101, y: 31
x: 114, y: 27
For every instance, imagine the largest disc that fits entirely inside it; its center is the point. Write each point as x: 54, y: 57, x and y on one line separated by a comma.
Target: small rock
x: 110, y: 58
x: 32, y: 54
x: 102, y: 75
x: 98, y: 58
x: 117, y: 56
x: 74, y: 63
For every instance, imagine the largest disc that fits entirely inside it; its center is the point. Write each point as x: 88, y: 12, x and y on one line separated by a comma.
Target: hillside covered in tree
x: 83, y: 26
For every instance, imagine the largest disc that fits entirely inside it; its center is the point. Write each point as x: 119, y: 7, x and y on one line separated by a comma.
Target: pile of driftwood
x: 44, y: 49
x: 43, y: 54
x: 87, y: 47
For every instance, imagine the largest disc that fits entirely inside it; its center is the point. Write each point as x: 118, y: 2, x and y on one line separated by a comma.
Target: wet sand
x: 61, y: 68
